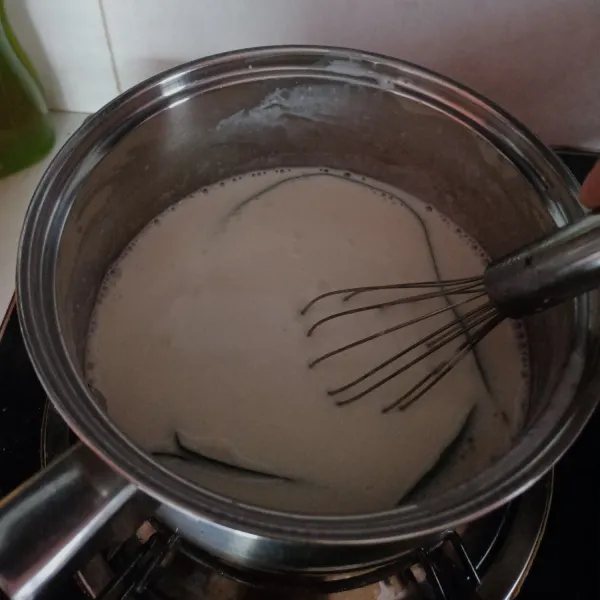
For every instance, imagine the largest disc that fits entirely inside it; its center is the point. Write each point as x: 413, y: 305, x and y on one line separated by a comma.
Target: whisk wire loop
x: 473, y: 326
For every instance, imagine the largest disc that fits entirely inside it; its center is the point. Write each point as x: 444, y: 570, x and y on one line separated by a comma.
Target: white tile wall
x: 66, y: 41
x: 540, y: 59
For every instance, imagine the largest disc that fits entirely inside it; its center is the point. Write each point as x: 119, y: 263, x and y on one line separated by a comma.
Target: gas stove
x: 541, y: 545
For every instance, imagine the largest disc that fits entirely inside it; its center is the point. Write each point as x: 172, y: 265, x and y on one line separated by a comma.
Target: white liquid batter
x: 197, y: 332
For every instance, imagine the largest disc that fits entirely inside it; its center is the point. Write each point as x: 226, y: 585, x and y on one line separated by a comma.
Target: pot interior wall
x: 186, y: 143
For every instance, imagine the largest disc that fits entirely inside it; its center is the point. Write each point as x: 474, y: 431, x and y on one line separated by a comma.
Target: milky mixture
x: 199, y: 348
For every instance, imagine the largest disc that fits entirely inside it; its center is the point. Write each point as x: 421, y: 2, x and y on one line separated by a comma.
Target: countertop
x: 15, y: 193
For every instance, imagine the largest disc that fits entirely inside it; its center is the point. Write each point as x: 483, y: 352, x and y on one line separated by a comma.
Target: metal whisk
x: 558, y: 267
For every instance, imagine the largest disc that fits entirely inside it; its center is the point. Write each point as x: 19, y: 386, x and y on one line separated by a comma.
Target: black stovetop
x: 566, y: 565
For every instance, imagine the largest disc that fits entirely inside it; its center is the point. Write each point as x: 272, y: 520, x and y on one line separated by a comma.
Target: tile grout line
x: 113, y: 61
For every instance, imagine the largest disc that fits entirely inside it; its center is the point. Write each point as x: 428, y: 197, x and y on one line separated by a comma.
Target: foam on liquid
x: 197, y: 331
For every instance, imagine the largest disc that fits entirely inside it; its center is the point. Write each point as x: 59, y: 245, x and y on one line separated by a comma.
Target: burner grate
x: 144, y: 568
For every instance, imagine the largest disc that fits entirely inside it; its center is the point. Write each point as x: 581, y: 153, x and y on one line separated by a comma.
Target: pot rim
x: 509, y: 477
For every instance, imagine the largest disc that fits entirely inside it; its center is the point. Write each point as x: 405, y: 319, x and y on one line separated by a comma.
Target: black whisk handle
x: 558, y: 267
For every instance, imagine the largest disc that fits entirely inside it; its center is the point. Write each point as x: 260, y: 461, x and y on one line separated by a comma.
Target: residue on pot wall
x: 322, y: 103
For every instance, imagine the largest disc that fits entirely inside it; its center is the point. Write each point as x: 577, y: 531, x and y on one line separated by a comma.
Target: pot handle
x: 46, y: 521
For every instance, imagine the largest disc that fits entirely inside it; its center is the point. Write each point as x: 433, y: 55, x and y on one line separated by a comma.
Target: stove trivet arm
x: 450, y: 578
x: 46, y: 522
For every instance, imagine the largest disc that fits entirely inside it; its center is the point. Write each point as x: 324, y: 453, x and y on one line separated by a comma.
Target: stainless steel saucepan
x: 256, y: 109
